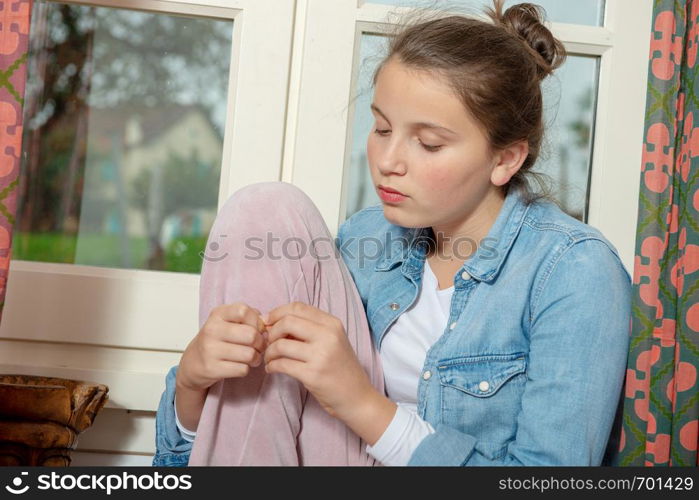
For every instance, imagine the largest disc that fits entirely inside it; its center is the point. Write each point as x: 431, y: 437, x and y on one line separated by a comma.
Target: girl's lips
x: 391, y: 197
x: 389, y: 190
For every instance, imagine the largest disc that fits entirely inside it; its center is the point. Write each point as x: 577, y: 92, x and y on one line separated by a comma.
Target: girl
x: 501, y: 322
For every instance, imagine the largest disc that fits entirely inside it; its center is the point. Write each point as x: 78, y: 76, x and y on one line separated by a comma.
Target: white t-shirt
x: 403, y: 353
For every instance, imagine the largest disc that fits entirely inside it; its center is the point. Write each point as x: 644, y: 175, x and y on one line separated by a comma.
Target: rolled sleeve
x: 172, y: 449
x: 401, y: 437
x: 579, y: 337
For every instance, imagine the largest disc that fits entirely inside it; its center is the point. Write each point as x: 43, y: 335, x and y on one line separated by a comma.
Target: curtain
x: 661, y: 399
x: 14, y: 43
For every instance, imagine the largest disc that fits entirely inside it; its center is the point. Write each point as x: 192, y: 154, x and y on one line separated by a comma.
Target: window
x: 140, y: 130
x: 590, y: 12
x: 122, y: 149
x: 595, y: 136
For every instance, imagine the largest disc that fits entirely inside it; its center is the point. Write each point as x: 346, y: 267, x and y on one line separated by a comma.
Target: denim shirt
x: 530, y: 366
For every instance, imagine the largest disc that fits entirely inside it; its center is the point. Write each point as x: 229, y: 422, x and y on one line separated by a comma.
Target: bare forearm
x: 190, y: 403
x: 371, y: 417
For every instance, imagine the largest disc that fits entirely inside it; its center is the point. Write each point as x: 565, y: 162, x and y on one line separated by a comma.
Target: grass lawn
x: 182, y: 254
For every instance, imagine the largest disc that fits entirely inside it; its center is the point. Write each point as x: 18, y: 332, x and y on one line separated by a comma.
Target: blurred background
x: 124, y: 119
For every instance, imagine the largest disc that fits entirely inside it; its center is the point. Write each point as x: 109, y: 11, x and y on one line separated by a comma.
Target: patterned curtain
x: 14, y: 43
x: 661, y: 404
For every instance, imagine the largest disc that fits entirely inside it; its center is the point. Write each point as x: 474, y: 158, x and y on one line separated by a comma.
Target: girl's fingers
x: 242, y: 335
x: 240, y: 354
x: 296, y: 326
x: 287, y: 348
x: 261, y: 327
x: 302, y: 310
x: 239, y: 312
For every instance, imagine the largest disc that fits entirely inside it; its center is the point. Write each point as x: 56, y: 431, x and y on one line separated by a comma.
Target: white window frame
x: 126, y: 328
x: 318, y: 156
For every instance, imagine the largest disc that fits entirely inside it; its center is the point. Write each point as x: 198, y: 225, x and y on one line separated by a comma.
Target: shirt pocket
x: 481, y: 395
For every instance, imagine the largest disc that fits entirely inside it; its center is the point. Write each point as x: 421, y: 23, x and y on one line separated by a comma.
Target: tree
x: 86, y: 58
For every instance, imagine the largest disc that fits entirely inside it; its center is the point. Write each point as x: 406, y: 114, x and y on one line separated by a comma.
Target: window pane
x: 124, y: 120
x: 566, y: 151
x: 590, y: 12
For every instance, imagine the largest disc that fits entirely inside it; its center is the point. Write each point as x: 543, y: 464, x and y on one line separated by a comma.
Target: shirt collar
x: 488, y: 259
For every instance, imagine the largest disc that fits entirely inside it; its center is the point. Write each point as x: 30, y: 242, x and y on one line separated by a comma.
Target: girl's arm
x: 579, y: 337
x: 190, y: 403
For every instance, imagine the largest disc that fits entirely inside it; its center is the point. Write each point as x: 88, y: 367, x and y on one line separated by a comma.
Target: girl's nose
x: 392, y: 160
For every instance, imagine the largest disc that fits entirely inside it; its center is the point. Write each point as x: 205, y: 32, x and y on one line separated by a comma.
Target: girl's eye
x: 431, y: 149
x: 426, y: 147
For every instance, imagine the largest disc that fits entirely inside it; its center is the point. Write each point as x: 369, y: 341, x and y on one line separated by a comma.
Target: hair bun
x: 526, y: 21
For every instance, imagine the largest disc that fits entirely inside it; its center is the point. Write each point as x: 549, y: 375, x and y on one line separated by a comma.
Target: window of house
x: 125, y: 117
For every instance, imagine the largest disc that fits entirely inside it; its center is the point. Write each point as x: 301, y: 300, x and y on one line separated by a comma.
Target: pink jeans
x: 271, y: 419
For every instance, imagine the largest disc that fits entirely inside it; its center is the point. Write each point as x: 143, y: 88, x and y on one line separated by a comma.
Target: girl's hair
x: 494, y: 68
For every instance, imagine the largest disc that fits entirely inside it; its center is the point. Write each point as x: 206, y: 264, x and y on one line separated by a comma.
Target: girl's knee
x: 264, y: 207
x: 263, y: 197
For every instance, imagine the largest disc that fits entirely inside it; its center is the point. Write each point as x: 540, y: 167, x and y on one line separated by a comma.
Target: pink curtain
x: 15, y: 18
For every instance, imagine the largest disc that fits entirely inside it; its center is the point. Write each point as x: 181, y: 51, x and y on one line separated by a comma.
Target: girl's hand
x: 311, y: 346
x: 229, y: 343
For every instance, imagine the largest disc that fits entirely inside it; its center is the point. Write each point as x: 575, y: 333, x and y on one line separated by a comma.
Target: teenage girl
x: 465, y: 320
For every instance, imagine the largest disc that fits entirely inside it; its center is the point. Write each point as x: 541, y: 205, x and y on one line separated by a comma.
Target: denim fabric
x: 530, y: 366
x: 171, y: 448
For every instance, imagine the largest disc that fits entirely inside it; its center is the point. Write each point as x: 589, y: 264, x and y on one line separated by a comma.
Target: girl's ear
x: 508, y: 162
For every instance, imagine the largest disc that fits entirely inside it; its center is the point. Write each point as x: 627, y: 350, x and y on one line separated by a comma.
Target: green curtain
x: 14, y: 43
x: 661, y: 400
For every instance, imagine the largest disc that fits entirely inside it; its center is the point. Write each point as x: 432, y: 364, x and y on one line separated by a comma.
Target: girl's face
x: 426, y: 146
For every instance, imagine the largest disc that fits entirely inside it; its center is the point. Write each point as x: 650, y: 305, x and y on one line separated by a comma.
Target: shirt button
x: 452, y: 326
x: 484, y: 386
x: 465, y: 276
x: 427, y: 375
x: 394, y: 306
